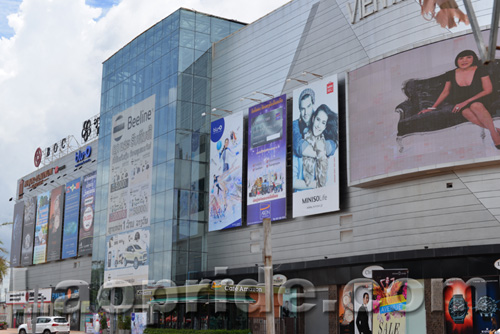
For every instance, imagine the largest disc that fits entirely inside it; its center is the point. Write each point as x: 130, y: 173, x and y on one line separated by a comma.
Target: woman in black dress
x: 469, y: 88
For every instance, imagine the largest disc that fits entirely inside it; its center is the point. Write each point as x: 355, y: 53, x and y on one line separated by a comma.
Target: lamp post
x: 267, y: 253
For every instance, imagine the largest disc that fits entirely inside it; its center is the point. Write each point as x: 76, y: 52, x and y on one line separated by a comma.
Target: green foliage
x: 104, y: 321
x: 121, y: 323
x: 128, y: 323
x: 4, y: 263
x: 193, y: 331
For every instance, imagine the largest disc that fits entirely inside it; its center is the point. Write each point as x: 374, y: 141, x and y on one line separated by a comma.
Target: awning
x: 204, y: 299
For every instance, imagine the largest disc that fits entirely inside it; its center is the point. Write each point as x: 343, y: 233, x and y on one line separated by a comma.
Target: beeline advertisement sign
x: 55, y: 224
x: 130, y: 190
x: 315, y: 148
x: 266, y: 192
x: 226, y: 143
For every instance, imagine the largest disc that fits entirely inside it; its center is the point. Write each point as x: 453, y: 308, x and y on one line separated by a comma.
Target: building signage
x: 38, y: 179
x: 226, y: 159
x: 41, y: 228
x: 266, y: 192
x: 364, y: 8
x: 17, y: 235
x: 82, y: 157
x: 87, y: 214
x: 28, y: 231
x: 51, y: 151
x: 55, y: 223
x: 315, y: 148
x: 23, y: 297
x: 130, y: 187
x: 90, y: 128
x: 71, y: 219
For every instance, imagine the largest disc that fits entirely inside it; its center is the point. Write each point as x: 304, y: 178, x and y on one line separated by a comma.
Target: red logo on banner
x: 38, y: 157
x: 329, y: 87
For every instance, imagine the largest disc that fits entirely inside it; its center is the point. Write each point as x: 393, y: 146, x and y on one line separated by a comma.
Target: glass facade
x: 171, y: 60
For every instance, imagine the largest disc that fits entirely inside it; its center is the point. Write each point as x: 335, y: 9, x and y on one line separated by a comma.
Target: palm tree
x: 4, y: 263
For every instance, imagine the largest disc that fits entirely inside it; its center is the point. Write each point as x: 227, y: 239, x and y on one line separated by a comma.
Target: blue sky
x: 8, y: 7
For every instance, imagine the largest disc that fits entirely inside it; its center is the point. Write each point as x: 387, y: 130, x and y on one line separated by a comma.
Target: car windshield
x: 60, y: 320
x: 137, y: 247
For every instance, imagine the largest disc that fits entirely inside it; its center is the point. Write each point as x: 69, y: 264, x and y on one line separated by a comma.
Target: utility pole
x: 267, y: 253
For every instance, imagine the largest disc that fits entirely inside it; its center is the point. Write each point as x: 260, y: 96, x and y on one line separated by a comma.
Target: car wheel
x: 136, y: 263
x: 46, y: 331
x: 22, y: 331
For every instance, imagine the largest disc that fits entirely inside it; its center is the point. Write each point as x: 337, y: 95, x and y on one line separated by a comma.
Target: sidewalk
x: 14, y: 331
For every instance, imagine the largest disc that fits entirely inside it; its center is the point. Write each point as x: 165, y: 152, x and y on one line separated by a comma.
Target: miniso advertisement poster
x: 226, y: 143
x: 266, y: 189
x: 315, y: 148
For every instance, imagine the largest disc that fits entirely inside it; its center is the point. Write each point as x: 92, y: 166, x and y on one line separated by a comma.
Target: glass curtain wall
x: 171, y: 60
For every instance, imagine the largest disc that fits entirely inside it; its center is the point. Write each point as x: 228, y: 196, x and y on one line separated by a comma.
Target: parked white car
x: 47, y: 325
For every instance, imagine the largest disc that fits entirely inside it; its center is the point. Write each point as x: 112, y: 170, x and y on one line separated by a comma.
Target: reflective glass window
x: 201, y: 89
x: 202, y: 41
x: 184, y: 115
x: 198, y: 177
x: 187, y: 19
x: 159, y: 207
x: 186, y: 39
x: 185, y: 87
x: 161, y: 175
x: 183, y: 174
x: 220, y: 29
x: 186, y: 59
x: 202, y: 23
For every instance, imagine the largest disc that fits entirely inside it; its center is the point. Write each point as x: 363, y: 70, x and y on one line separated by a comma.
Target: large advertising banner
x: 458, y: 307
x: 486, y: 298
x: 389, y: 301
x: 402, y: 119
x: 55, y: 224
x: 87, y: 214
x: 346, y: 309
x: 71, y: 219
x: 226, y: 158
x: 315, y: 140
x: 130, y: 186
x: 127, y: 256
x: 17, y: 235
x: 363, y: 308
x: 41, y: 228
x: 28, y: 231
x: 266, y: 191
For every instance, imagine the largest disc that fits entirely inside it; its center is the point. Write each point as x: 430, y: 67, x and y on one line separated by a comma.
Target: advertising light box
x: 266, y: 189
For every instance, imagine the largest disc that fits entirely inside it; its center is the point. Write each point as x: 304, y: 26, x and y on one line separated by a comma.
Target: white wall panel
x: 411, y: 214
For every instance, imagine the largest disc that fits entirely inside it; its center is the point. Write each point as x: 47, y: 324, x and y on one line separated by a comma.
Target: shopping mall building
x: 333, y: 119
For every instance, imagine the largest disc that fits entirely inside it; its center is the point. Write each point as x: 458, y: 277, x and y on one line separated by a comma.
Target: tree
x: 4, y: 263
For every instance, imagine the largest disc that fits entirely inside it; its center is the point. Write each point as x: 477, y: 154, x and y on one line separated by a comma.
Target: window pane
x: 186, y: 39
x: 202, y: 23
x: 187, y: 19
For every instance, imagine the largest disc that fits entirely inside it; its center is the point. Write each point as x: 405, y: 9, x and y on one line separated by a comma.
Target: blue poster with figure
x: 266, y: 190
x: 71, y: 219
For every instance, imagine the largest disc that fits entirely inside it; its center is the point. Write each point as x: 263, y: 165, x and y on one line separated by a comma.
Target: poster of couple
x: 315, y: 148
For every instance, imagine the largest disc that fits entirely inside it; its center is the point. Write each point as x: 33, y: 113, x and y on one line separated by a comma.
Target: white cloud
x: 50, y: 69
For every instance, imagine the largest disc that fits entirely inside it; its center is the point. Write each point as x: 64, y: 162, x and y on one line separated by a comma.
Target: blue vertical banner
x: 226, y: 144
x: 87, y: 214
x: 71, y: 219
x: 41, y: 228
x: 266, y: 191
